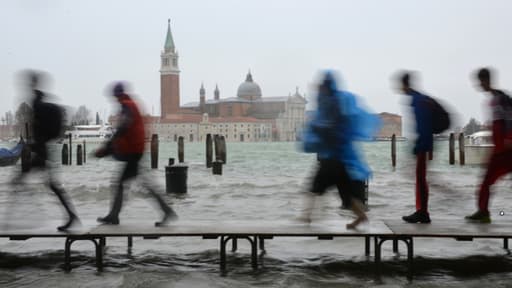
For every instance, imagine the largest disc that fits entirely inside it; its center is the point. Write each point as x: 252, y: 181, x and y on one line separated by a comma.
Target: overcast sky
x: 85, y: 45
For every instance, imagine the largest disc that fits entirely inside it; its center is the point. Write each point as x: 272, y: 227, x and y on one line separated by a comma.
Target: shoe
x: 73, y: 219
x: 417, y: 217
x: 108, y: 220
x: 169, y: 216
x: 479, y: 217
x: 356, y: 222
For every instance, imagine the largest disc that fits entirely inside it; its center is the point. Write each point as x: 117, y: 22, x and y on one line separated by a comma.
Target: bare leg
x: 308, y: 204
x: 64, y: 200
x: 358, y: 209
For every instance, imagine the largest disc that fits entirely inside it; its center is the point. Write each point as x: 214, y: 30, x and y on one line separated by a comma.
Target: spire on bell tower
x: 169, y: 56
x: 202, y: 92
x: 169, y: 42
x: 216, y: 92
x: 169, y: 76
x: 202, y: 98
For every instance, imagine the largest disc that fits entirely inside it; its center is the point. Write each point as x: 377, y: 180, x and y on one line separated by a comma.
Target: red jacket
x: 129, y: 137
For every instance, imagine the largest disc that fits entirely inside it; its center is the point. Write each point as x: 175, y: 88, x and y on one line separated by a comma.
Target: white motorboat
x: 478, y: 147
x: 90, y: 133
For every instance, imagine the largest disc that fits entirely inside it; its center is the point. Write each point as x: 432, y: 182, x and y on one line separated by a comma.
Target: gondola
x: 10, y: 156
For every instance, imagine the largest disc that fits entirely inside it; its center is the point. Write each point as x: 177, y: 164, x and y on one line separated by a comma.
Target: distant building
x: 391, y: 124
x: 8, y: 131
x: 248, y: 116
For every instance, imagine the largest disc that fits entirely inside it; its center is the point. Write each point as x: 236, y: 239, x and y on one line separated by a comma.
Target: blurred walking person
x: 420, y: 104
x: 500, y: 162
x: 47, y: 124
x: 337, y: 123
x: 127, y: 145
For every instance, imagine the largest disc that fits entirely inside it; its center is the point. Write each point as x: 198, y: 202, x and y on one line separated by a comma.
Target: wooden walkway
x: 257, y: 232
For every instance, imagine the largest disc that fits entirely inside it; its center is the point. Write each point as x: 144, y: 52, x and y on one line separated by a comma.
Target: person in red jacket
x: 500, y: 162
x: 127, y: 145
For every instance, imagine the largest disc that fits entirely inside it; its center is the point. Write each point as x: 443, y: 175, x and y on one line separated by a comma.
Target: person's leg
x: 357, y: 207
x: 345, y: 200
x: 129, y: 171
x: 499, y: 165
x: 421, y: 183
x: 39, y: 160
x: 353, y: 195
x: 321, y: 181
x: 66, y: 202
x: 421, y: 215
x: 168, y: 212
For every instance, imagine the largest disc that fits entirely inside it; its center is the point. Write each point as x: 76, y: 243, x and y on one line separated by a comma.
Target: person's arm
x: 125, y: 120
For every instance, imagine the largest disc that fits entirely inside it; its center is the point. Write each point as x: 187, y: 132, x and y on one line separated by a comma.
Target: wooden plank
x: 243, y: 228
x: 18, y: 229
x: 454, y: 228
x: 200, y: 228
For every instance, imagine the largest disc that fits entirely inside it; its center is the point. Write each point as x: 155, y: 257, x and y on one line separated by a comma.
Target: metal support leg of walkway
x: 99, y: 244
x: 408, y: 242
x: 254, y: 249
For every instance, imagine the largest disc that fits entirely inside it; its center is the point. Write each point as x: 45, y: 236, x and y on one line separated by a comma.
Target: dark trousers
x: 500, y: 164
x: 331, y: 173
x: 421, y: 182
x: 130, y: 171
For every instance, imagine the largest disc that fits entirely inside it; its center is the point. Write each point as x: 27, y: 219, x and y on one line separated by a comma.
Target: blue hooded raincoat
x: 336, y: 124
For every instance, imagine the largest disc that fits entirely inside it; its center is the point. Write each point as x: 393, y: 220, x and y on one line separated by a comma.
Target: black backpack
x: 506, y: 102
x: 440, y: 117
x: 53, y: 121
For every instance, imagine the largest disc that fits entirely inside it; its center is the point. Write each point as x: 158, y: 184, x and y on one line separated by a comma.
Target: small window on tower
x: 174, y: 62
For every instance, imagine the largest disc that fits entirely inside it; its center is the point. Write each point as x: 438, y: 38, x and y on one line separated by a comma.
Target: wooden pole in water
x: 79, y: 154
x: 85, y: 154
x: 393, y: 150
x: 217, y: 167
x: 223, y: 151
x: 462, y: 156
x: 217, y: 147
x: 181, y: 150
x: 64, y: 154
x: 452, y: 149
x: 70, y: 150
x: 26, y: 159
x: 154, y: 151
x: 209, y: 150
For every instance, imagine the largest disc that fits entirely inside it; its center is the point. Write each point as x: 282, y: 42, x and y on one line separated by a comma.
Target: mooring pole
x: 209, y: 150
x: 452, y: 149
x: 462, y: 156
x: 393, y: 150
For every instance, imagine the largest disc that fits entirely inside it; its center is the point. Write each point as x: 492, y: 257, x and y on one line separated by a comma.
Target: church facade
x: 245, y: 117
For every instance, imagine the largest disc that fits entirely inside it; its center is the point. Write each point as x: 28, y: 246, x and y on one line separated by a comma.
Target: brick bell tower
x: 169, y: 77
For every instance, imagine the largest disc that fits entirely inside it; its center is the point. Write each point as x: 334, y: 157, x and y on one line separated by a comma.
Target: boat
x: 9, y: 157
x: 89, y: 133
x: 478, y: 147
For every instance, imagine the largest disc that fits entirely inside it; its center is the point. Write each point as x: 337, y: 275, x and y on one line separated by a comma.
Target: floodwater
x: 260, y: 182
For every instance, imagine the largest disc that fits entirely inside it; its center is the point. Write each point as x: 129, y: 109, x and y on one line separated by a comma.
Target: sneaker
x: 417, y: 217
x: 73, y: 220
x: 108, y: 220
x: 479, y: 217
x: 169, y: 216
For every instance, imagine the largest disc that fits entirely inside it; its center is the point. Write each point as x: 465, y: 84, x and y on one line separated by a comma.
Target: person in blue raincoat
x: 337, y: 123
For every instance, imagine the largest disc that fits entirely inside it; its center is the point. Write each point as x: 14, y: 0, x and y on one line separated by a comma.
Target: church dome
x: 249, y: 90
